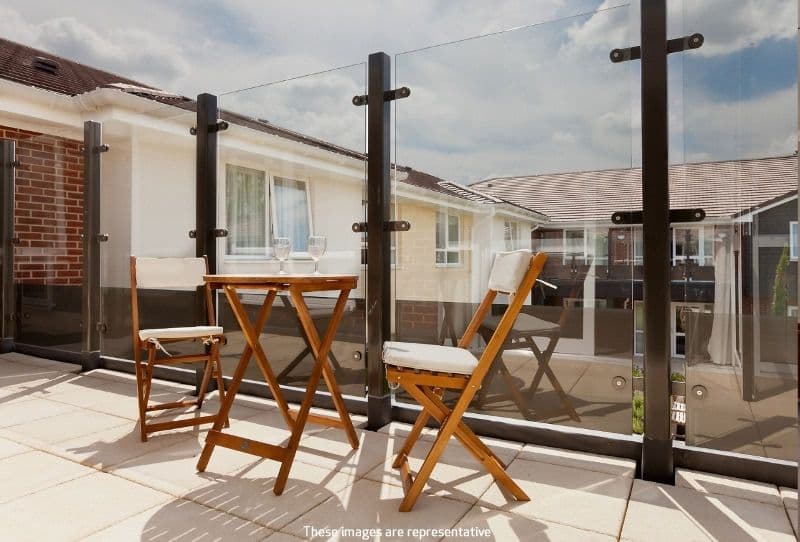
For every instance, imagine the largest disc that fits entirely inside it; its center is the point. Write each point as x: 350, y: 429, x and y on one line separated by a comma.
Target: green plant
x: 677, y: 377
x: 638, y: 413
x: 637, y: 371
x: 780, y: 292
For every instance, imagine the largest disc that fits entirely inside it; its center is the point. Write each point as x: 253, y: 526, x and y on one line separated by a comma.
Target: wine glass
x: 282, y: 247
x: 316, y: 248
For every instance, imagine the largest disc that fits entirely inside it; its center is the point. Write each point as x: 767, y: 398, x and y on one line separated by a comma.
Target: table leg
x: 227, y: 400
x: 313, y: 341
x: 252, y: 336
x: 320, y: 353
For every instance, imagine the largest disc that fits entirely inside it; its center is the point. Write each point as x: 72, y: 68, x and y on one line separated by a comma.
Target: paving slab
x: 587, y: 500
x: 76, y: 509
x: 716, y: 484
x: 482, y: 524
x: 9, y: 448
x: 248, y: 492
x: 181, y: 520
x: 33, y: 471
x: 658, y: 511
x: 66, y: 426
x: 370, y: 505
x: 579, y: 460
x: 173, y: 469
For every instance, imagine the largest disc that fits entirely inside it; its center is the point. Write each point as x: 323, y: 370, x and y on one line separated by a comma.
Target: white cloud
x: 134, y: 53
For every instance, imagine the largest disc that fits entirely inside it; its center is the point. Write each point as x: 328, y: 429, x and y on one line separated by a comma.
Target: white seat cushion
x: 180, y: 332
x: 429, y: 357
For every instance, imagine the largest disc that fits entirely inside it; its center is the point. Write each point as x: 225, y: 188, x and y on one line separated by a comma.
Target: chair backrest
x: 172, y: 273
x: 512, y: 273
x: 167, y: 273
x: 508, y: 270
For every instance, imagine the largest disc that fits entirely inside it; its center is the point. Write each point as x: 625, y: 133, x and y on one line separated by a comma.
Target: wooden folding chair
x: 172, y: 273
x: 426, y: 370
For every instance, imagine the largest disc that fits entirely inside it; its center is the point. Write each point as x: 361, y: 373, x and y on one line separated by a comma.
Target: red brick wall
x: 48, y: 208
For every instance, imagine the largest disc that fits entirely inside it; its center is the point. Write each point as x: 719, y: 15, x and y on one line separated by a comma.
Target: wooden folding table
x: 295, y: 285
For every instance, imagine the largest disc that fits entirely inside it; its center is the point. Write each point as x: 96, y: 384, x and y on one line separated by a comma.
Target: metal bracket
x: 675, y: 215
x: 101, y: 327
x: 397, y: 225
x: 388, y: 96
x: 15, y: 163
x: 392, y: 225
x: 216, y: 232
x: 102, y: 148
x: 15, y: 240
x: 102, y: 237
x: 675, y: 45
x: 219, y: 126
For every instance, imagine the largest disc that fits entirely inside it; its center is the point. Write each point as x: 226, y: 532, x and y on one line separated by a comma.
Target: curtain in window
x: 245, y: 194
x: 291, y: 212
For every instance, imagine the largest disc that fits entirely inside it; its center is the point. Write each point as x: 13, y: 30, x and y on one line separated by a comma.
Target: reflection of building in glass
x: 734, y: 275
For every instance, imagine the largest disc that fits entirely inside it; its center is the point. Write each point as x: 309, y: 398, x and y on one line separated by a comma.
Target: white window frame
x: 793, y: 235
x: 515, y: 240
x: 303, y: 255
x: 250, y: 252
x: 448, y: 248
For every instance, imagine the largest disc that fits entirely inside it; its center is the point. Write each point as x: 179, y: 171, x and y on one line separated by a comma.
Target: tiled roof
x: 18, y: 64
x: 722, y: 189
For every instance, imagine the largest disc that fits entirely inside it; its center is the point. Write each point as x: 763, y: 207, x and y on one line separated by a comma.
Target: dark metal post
x: 657, y: 460
x: 205, y: 197
x: 7, y: 297
x: 90, y: 319
x: 206, y: 189
x: 379, y: 294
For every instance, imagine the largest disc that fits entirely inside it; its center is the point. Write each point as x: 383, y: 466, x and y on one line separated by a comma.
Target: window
x: 550, y: 241
x: 574, y: 245
x: 511, y: 235
x: 448, y: 239
x: 680, y: 321
x: 601, y: 247
x: 793, y: 240
x: 290, y: 209
x: 249, y: 221
x: 695, y: 244
x: 626, y: 246
x: 246, y: 206
x: 638, y: 328
x: 638, y: 246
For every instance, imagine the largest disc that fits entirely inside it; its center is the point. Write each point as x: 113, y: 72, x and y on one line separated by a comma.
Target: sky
x: 540, y: 98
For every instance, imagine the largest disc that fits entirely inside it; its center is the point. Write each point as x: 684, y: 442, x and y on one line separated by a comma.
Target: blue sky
x: 537, y: 99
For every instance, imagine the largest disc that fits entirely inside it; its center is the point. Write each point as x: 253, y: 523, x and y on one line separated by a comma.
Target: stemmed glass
x: 282, y: 247
x: 316, y: 248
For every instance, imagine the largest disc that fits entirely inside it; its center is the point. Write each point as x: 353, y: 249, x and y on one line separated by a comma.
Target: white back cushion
x: 508, y: 270
x: 170, y: 272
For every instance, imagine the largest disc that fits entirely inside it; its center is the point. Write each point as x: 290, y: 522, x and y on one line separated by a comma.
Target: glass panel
x: 303, y: 142
x: 525, y: 131
x: 48, y: 221
x: 147, y: 208
x: 734, y: 154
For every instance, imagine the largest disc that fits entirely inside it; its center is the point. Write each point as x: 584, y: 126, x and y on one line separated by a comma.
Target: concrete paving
x: 72, y: 468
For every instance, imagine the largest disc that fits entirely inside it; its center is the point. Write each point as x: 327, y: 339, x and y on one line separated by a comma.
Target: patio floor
x: 72, y: 467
